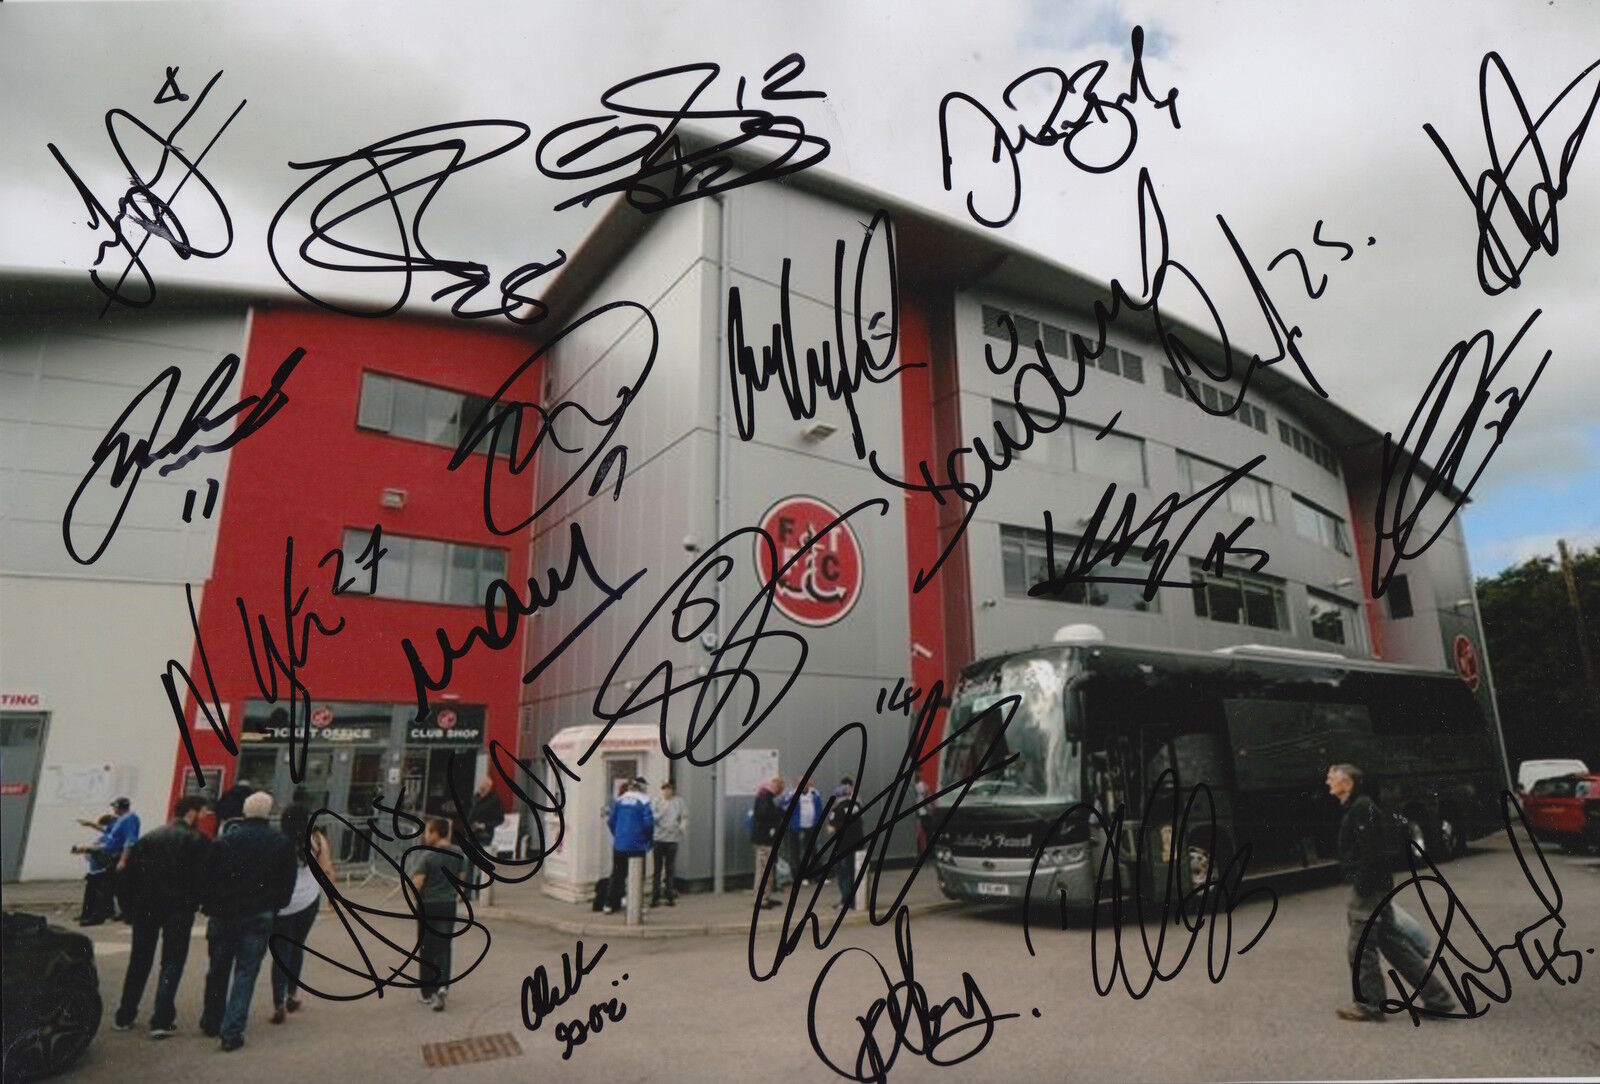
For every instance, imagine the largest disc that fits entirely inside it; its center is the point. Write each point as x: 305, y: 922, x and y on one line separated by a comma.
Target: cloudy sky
x: 1290, y: 113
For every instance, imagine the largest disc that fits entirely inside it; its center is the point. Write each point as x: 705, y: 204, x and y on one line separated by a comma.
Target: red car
x: 1565, y: 810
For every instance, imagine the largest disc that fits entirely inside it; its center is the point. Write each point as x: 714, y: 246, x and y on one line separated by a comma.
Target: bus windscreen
x: 1045, y: 768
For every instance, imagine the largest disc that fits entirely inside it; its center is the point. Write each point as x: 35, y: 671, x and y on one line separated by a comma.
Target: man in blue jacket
x: 632, y: 828
x: 248, y: 876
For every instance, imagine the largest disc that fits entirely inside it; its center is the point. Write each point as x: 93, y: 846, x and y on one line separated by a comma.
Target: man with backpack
x: 1376, y: 922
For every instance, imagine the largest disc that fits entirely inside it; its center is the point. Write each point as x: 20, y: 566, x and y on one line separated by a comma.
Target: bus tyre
x: 1452, y: 839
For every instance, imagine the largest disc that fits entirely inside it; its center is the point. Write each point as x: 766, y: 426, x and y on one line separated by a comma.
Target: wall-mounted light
x: 818, y: 431
x: 392, y: 498
x: 1344, y: 581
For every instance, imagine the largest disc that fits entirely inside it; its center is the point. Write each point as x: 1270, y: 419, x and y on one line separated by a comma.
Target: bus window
x: 1046, y: 765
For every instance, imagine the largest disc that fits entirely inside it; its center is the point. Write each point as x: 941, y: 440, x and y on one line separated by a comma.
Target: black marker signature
x: 358, y: 920
x: 893, y: 805
x: 1499, y: 269
x: 751, y: 654
x: 539, y: 999
x: 129, y: 457
x: 503, y: 611
x: 1483, y: 972
x: 916, y: 1023
x: 1159, y: 551
x: 500, y: 413
x: 1396, y: 523
x: 144, y: 208
x: 1197, y: 907
x: 1099, y: 139
x: 386, y: 171
x: 656, y: 173
x: 838, y: 379
x: 1159, y: 271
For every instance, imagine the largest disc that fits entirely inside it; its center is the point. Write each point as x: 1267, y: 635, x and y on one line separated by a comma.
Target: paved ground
x: 693, y: 1011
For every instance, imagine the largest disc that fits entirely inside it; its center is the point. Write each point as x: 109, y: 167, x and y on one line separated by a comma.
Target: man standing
x: 230, y: 806
x: 844, y: 825
x: 671, y: 823
x: 487, y: 813
x: 161, y: 880
x: 805, y: 810
x: 632, y: 826
x: 248, y: 876
x: 436, y: 869
x: 1375, y: 921
x: 123, y: 833
x: 767, y: 820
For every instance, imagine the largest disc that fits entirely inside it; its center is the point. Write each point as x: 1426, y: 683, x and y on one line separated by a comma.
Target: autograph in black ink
x: 1194, y: 903
x: 839, y: 380
x: 1533, y: 212
x: 369, y: 188
x: 148, y: 206
x: 1482, y: 965
x: 916, y: 1023
x: 656, y: 171
x: 539, y: 1000
x: 1159, y: 551
x: 1099, y: 138
x: 129, y: 457
x: 1395, y: 518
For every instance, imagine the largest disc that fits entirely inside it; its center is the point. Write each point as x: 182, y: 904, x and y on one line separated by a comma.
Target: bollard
x: 861, y: 864
x: 635, y: 889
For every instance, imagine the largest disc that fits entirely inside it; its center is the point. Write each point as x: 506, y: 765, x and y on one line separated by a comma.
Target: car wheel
x: 57, y: 1029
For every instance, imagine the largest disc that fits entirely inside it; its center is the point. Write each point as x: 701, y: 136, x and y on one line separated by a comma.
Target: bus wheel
x: 1452, y: 841
x: 1201, y: 861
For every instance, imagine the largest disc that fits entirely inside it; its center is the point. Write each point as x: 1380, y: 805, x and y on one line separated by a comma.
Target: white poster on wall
x: 87, y: 785
x: 749, y: 768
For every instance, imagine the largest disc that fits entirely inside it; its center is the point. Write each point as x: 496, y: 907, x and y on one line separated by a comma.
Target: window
x: 1022, y: 557
x: 1399, y: 596
x: 1110, y: 361
x: 1306, y: 445
x: 425, y: 570
x: 1112, y: 456
x: 1171, y: 384
x: 1253, y: 416
x: 993, y: 326
x: 1319, y: 526
x: 1055, y: 341
x: 1133, y: 367
x: 1333, y: 620
x: 405, y: 408
x: 1248, y: 496
x: 1053, y: 447
x: 1239, y: 598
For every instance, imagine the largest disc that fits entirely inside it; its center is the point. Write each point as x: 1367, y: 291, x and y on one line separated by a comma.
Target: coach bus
x: 1123, y: 736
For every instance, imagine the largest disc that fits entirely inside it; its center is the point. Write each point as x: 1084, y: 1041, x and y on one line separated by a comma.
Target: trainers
x: 118, y: 1025
x: 229, y: 1045
x: 165, y: 1032
x: 610, y: 910
x: 438, y: 1001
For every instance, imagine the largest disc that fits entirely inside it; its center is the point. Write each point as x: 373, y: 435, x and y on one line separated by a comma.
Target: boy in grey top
x: 672, y: 823
x: 431, y: 867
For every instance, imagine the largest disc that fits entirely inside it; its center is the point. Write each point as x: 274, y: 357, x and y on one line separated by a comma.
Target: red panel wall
x: 311, y: 472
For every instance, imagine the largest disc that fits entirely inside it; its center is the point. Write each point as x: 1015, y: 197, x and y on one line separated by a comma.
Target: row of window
x: 422, y: 569
x: 1247, y: 496
x: 1234, y: 597
x: 1057, y: 341
x: 1216, y: 399
x: 1308, y: 446
x: 405, y: 408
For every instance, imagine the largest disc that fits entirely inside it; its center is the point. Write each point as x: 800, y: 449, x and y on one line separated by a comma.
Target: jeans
x: 99, y: 896
x: 619, y: 878
x: 666, y: 855
x: 172, y: 927
x: 236, y: 945
x: 844, y: 871
x: 288, y: 944
x: 436, y: 928
x: 1403, y: 942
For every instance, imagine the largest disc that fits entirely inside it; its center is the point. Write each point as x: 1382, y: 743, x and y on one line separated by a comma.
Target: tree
x: 1547, y: 707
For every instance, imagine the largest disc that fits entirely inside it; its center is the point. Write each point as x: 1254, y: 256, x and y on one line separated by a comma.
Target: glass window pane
x: 1283, y: 431
x: 1306, y: 521
x: 1170, y: 383
x: 1209, y: 395
x: 1034, y: 569
x: 461, y: 576
x: 1112, y: 456
x: 377, y: 401
x: 410, y: 410
x: 1109, y: 361
x: 1199, y: 593
x: 1327, y: 622
x: 1225, y: 602
x: 443, y: 413
x: 1264, y: 499
x: 492, y: 566
x: 1133, y: 366
x: 1055, y: 341
x: 1013, y: 566
x: 1260, y: 417
x: 993, y: 326
x: 1260, y: 611
x: 1027, y: 332
x: 1243, y: 500
x: 427, y: 571
x: 394, y: 568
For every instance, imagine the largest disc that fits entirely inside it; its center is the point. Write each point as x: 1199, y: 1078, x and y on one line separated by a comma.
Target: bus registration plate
x: 993, y: 888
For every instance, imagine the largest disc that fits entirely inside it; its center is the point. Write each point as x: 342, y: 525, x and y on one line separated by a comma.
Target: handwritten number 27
x: 368, y: 559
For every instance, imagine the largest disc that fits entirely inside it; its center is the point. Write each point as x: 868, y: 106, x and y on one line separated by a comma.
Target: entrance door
x: 21, y: 750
